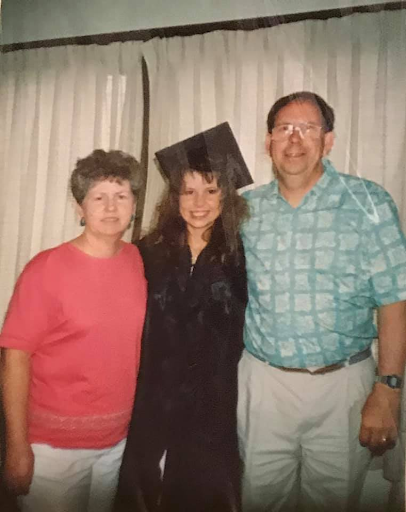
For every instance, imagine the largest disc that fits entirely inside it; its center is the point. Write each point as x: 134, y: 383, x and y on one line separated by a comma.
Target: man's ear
x: 329, y: 138
x: 268, y: 141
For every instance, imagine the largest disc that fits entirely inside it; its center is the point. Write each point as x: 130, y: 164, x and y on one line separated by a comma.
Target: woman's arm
x: 15, y: 381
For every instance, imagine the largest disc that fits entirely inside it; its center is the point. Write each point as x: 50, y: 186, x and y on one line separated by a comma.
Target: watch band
x: 393, y: 381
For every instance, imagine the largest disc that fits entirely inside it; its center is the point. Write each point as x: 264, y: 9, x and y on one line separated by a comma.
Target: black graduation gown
x: 186, y: 397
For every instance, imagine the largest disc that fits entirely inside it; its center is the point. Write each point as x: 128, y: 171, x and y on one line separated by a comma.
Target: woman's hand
x: 19, y: 469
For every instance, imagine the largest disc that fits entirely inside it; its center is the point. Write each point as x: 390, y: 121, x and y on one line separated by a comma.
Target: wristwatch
x: 393, y: 381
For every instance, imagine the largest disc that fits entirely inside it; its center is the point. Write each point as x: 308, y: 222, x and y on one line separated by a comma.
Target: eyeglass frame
x: 299, y: 127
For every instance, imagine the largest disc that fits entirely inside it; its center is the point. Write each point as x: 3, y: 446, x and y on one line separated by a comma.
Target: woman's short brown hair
x: 103, y: 165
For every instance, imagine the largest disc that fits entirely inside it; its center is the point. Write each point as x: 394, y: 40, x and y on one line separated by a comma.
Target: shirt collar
x: 323, y: 183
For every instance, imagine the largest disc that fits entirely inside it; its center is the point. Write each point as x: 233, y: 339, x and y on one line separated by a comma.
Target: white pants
x: 299, y: 437
x: 73, y: 480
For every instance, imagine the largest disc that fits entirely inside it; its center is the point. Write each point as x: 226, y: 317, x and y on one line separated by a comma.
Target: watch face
x: 393, y: 381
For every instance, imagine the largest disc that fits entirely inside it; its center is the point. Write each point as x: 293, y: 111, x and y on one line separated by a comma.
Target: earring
x: 131, y: 221
x: 82, y: 222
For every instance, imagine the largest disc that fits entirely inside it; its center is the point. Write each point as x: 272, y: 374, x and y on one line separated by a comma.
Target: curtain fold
x: 357, y: 63
x: 56, y: 106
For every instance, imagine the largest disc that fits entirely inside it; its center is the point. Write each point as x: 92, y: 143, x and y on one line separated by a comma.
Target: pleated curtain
x: 357, y: 63
x: 57, y: 105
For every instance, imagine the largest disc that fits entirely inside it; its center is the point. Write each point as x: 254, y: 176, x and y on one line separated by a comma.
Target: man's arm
x: 15, y: 380
x: 380, y: 415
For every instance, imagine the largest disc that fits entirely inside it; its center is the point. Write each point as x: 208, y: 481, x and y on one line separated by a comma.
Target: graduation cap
x: 211, y: 151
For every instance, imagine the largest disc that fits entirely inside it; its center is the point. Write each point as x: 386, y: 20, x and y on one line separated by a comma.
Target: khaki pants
x: 299, y: 437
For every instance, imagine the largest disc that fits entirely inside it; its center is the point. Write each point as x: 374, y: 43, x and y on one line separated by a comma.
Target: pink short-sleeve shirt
x: 81, y: 318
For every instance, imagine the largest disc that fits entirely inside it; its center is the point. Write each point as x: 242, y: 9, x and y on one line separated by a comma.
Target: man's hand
x: 380, y: 418
x: 19, y: 469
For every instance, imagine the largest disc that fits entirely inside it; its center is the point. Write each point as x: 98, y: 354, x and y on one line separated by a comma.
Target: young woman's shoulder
x: 154, y: 253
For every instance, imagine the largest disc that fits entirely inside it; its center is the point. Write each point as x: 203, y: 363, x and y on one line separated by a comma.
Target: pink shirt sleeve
x: 30, y: 310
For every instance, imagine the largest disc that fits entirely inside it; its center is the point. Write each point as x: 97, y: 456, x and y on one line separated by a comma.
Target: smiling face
x: 299, y: 155
x: 199, y: 202
x: 107, y: 208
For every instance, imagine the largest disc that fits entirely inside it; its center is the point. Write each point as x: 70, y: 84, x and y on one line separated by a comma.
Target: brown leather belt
x: 356, y: 358
x: 320, y: 371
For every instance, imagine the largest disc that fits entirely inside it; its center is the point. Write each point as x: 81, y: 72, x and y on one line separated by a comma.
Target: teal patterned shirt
x: 317, y: 272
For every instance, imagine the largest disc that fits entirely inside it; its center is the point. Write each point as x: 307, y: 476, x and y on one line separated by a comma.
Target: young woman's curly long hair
x: 170, y: 228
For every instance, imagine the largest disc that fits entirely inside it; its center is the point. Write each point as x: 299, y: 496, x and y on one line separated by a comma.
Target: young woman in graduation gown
x: 182, y: 449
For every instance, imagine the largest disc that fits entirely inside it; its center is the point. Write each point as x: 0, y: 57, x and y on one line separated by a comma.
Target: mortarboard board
x: 214, y: 150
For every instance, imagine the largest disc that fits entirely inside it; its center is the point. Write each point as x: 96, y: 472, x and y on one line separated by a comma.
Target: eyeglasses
x: 305, y: 130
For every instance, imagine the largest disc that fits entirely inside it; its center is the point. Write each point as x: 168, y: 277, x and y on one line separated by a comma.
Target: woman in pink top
x: 71, y: 344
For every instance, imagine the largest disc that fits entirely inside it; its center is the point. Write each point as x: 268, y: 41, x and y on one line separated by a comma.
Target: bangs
x: 208, y: 177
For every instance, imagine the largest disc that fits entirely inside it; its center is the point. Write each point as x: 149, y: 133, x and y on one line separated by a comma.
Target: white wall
x: 33, y: 20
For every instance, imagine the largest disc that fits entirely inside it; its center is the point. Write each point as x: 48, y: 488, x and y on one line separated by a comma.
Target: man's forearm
x: 392, y: 339
x: 380, y: 414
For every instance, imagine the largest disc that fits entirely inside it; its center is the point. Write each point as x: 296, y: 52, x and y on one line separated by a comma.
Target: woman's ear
x: 80, y: 212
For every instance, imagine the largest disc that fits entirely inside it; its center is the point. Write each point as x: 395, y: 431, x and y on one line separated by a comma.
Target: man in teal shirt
x: 323, y: 251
